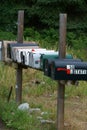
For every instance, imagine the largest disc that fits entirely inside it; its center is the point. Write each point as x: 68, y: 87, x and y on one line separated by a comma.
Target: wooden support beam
x: 61, y: 87
x: 19, y: 69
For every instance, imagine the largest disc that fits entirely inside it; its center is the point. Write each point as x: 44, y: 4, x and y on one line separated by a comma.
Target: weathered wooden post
x: 19, y: 68
x: 61, y: 87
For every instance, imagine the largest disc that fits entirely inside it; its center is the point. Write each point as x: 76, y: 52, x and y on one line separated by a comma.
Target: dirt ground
x: 2, y: 126
x: 76, y: 113
x: 75, y: 110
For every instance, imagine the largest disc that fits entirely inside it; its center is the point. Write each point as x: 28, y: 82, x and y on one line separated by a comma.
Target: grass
x: 41, y: 95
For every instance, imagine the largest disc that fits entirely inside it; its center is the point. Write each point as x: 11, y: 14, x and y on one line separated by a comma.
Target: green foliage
x: 46, y: 38
x: 20, y: 120
x: 77, y: 40
x: 14, y: 118
x: 7, y: 35
x: 31, y: 34
x: 40, y: 13
x: 80, y: 90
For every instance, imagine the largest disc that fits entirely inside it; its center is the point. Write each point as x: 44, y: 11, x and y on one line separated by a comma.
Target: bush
x: 46, y: 38
x: 77, y: 40
x: 7, y: 35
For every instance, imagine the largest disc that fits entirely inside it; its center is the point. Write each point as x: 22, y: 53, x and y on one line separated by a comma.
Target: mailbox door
x: 47, y: 67
x: 19, y: 60
x: 0, y: 50
x: 35, y: 51
x: 51, y: 56
x: 69, y: 70
x: 46, y: 56
x: 36, y: 61
x: 27, y: 58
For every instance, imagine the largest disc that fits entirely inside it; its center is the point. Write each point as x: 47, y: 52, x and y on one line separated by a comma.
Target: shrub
x: 7, y: 35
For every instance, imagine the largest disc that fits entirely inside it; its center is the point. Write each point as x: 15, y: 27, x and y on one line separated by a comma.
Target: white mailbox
x: 34, y: 52
x: 21, y: 54
x: 0, y: 50
x: 25, y: 56
x: 16, y: 52
x: 35, y: 63
x: 35, y: 57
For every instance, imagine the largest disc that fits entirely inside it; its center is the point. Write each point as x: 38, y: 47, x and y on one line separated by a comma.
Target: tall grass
x: 42, y: 94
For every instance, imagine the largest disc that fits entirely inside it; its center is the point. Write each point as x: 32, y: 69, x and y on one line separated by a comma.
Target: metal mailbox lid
x: 35, y: 63
x: 34, y: 52
x: 37, y: 54
x: 0, y: 44
x: 52, y: 55
x: 21, y: 53
x: 64, y: 62
x: 69, y: 70
x: 48, y: 62
x: 25, y: 56
x: 0, y: 50
x: 19, y: 46
x: 10, y: 45
x: 26, y: 59
x: 16, y: 53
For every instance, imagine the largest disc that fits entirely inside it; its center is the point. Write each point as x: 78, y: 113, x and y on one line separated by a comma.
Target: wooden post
x: 19, y: 68
x: 61, y: 87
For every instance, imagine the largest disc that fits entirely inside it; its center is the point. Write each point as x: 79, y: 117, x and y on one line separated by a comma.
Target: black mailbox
x: 69, y: 70
x: 51, y: 56
x: 47, y: 68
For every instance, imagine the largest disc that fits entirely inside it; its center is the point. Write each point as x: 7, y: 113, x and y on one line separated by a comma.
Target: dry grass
x: 44, y: 96
x: 75, y: 104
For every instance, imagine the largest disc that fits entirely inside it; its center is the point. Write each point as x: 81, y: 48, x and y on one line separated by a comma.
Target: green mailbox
x: 50, y: 56
x: 44, y: 57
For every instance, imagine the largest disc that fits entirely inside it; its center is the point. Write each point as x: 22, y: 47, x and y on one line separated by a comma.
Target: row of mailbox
x: 31, y: 55
x: 48, y: 61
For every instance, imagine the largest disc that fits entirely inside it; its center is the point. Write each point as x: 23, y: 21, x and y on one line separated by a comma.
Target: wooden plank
x: 4, y: 52
x: 19, y: 69
x: 61, y: 87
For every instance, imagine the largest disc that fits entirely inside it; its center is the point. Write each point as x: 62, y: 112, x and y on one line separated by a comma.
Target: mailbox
x: 18, y: 55
x: 69, y: 70
x: 19, y: 45
x: 33, y: 54
x: 16, y: 52
x: 25, y: 56
x: 0, y: 50
x: 34, y: 61
x: 47, y: 67
x: 51, y: 56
